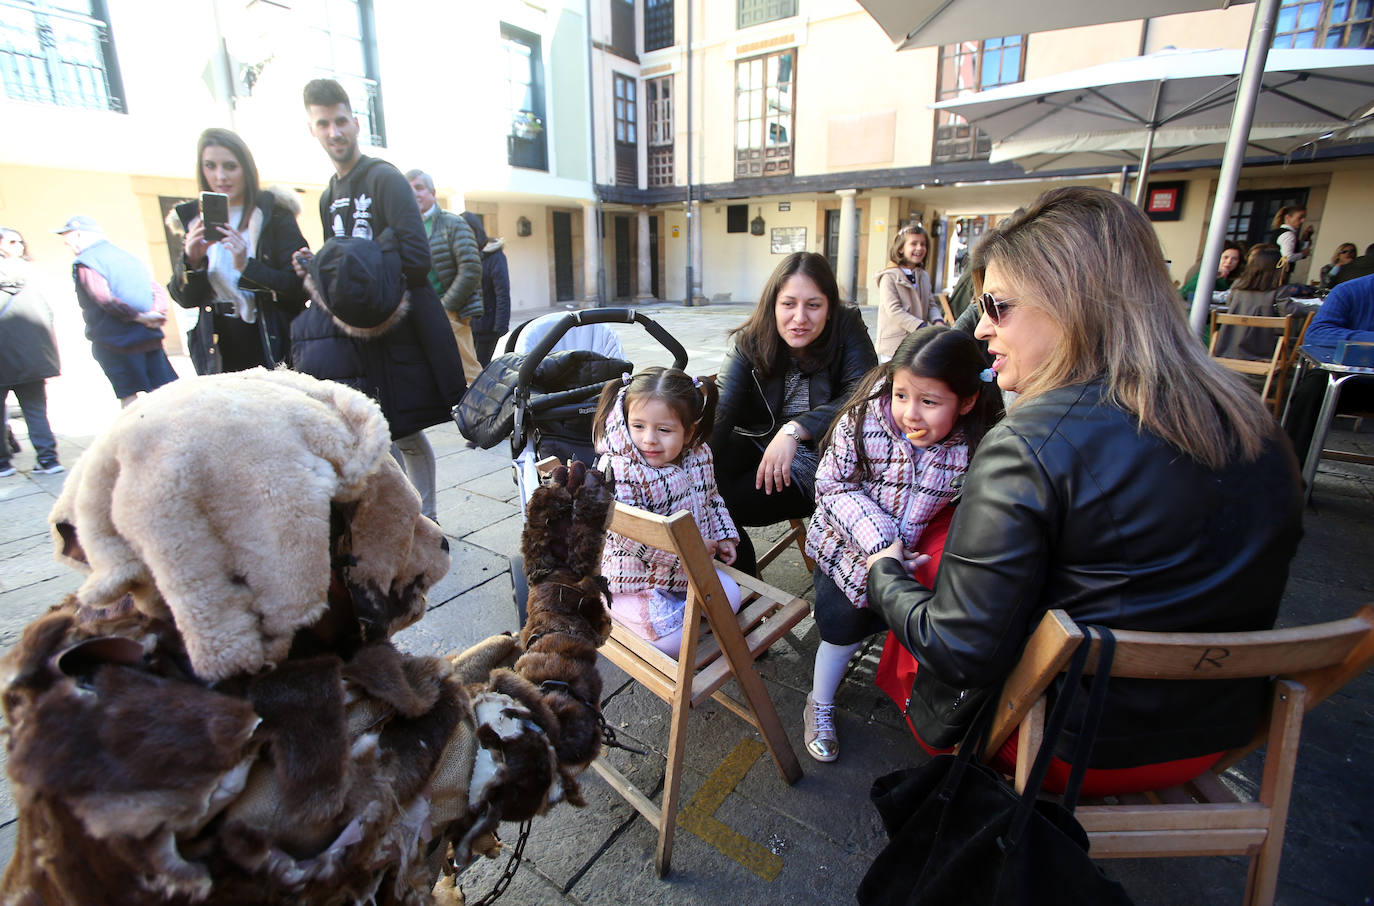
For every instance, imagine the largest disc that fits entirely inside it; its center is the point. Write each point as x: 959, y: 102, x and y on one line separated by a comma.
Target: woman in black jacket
x: 242, y: 282
x: 1133, y: 483
x: 784, y: 378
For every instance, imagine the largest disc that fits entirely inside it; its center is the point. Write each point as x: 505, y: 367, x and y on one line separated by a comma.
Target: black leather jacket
x: 1067, y: 504
x: 750, y: 403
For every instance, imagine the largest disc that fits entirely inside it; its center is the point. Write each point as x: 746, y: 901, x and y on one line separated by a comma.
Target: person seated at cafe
x: 786, y: 372
x: 1347, y: 315
x: 1253, y: 294
x: 1362, y: 266
x: 1134, y: 482
x: 1345, y: 253
x: 1227, y: 268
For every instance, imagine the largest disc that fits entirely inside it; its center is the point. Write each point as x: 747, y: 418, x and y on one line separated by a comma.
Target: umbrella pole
x: 1147, y: 153
x: 1256, y: 53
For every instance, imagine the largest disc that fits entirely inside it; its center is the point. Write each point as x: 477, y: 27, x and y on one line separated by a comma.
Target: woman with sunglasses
x: 1133, y: 483
x: 786, y: 373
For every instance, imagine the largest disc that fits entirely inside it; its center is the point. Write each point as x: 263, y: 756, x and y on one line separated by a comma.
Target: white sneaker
x: 6, y: 471
x: 51, y: 468
x: 822, y: 743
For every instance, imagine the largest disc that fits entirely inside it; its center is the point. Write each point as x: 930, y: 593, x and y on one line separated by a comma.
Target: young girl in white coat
x: 906, y: 300
x: 892, y: 460
x: 651, y: 432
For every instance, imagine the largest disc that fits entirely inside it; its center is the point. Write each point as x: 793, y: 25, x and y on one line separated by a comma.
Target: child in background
x: 906, y: 300
x: 651, y: 431
x: 891, y: 461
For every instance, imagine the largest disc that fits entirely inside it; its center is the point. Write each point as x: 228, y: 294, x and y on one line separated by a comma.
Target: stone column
x: 646, y: 274
x: 591, y: 254
x: 844, y: 257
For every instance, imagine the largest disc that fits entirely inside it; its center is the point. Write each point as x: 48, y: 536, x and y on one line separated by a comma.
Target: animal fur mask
x: 224, y: 501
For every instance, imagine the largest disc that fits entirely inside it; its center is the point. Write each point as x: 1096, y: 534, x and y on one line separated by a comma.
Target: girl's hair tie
x: 987, y: 375
x: 625, y: 378
x: 696, y: 382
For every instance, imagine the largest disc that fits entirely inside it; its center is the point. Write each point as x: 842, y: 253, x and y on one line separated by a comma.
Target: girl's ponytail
x: 706, y: 422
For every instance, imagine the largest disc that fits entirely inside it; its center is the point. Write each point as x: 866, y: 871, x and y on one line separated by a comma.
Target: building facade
x: 104, y: 100
x: 580, y: 129
x: 795, y: 124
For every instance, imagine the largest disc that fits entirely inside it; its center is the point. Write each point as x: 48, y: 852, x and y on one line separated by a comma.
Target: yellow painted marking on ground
x: 698, y: 815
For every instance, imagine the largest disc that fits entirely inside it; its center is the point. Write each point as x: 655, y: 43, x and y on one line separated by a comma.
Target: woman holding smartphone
x: 238, y: 276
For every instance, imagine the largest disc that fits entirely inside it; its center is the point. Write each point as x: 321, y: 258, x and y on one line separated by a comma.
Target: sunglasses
x: 992, y: 309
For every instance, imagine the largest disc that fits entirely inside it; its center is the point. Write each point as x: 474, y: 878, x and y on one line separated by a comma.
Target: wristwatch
x: 790, y: 429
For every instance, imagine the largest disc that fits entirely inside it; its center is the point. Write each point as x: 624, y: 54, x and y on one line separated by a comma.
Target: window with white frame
x: 526, y: 142
x: 340, y: 40
x: 756, y: 12
x: 60, y: 52
x: 964, y: 68
x: 765, y: 94
x: 626, y: 130
x: 660, y: 95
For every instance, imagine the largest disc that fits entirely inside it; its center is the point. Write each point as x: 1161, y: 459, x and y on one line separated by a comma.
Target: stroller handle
x: 597, y: 316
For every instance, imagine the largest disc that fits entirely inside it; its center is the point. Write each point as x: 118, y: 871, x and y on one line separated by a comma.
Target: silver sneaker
x: 819, y: 720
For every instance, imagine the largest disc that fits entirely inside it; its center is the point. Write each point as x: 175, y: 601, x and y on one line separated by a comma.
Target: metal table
x: 1338, y: 374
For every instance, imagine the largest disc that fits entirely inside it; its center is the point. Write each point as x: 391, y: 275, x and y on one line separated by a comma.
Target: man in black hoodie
x: 367, y: 197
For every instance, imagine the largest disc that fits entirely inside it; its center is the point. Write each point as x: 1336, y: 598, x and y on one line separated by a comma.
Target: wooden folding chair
x: 1269, y: 368
x: 1290, y: 360
x: 945, y: 308
x: 795, y: 534
x: 1202, y: 817
x: 717, y: 646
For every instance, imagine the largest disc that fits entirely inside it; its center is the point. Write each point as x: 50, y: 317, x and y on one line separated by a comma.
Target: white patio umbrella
x: 928, y: 23
x: 1180, y: 100
x: 923, y: 23
x: 1124, y: 148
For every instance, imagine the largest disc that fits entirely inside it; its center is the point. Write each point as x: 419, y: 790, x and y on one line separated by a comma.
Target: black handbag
x: 959, y: 834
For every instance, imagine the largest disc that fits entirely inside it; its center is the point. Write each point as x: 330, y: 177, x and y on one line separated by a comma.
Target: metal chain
x: 512, y: 865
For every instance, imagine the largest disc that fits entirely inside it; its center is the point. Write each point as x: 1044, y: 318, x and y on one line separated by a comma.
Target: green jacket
x: 456, y: 264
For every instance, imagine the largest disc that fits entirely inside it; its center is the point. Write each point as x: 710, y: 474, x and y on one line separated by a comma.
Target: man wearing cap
x: 124, y: 309
x: 374, y: 320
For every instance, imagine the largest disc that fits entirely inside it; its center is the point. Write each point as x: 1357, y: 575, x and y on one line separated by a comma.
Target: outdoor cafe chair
x: 1269, y: 368
x: 717, y: 646
x: 1204, y: 817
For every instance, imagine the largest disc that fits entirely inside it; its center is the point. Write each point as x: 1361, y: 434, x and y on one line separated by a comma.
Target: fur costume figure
x: 218, y: 715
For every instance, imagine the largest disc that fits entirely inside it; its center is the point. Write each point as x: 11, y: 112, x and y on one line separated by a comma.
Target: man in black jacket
x: 365, y: 198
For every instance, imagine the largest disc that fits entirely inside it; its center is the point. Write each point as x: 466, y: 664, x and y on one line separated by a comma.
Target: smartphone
x: 214, y: 209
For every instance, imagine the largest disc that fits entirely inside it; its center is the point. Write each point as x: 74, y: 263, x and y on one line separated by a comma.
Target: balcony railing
x: 366, y: 96
x: 50, y: 56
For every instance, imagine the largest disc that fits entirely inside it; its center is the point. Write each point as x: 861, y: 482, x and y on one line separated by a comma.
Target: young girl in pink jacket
x: 651, y: 432
x: 891, y: 461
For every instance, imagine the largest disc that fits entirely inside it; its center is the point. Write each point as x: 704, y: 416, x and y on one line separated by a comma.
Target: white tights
x: 831, y: 661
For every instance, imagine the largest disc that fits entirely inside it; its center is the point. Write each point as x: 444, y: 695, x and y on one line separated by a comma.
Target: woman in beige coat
x: 905, y: 298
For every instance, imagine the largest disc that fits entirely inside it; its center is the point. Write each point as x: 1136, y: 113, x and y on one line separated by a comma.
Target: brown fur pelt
x: 565, y: 530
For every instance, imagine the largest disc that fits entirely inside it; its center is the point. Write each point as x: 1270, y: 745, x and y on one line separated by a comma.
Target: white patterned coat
x: 903, y: 489
x: 630, y: 566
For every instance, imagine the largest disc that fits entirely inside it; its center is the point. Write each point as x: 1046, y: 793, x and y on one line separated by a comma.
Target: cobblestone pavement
x: 820, y: 834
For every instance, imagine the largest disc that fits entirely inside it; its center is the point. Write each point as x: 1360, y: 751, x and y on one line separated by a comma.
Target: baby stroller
x: 545, y: 402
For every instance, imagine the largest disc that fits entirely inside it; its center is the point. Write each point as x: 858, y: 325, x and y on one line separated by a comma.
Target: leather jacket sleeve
x: 735, y: 383
x: 270, y: 267
x: 970, y: 628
